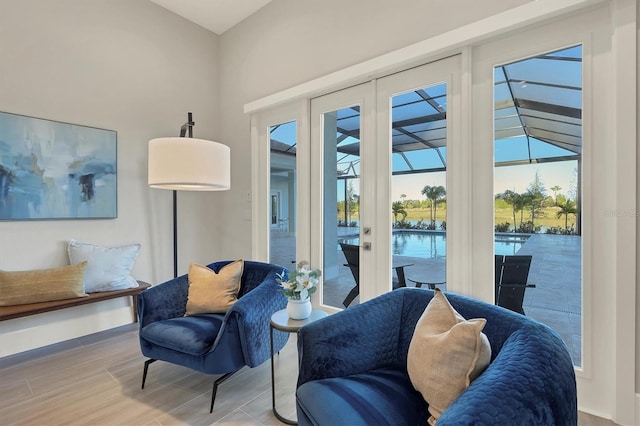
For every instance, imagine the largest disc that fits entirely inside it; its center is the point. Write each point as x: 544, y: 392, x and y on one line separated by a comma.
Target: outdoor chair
x: 212, y: 343
x: 431, y: 285
x: 512, y: 273
x: 352, y: 256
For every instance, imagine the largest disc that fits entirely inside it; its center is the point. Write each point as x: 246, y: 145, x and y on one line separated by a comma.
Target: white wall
x: 289, y: 42
x: 124, y: 65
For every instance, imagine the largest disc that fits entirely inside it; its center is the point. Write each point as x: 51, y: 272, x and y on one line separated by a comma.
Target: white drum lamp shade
x: 189, y: 164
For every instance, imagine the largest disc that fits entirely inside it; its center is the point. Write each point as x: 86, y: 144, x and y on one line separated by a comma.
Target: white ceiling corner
x: 215, y: 15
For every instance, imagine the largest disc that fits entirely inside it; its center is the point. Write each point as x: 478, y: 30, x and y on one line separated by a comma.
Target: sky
x: 515, y: 178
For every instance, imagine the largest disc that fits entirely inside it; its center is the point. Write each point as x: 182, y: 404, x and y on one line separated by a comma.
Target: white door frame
x: 261, y: 169
x: 363, y: 96
x: 449, y: 71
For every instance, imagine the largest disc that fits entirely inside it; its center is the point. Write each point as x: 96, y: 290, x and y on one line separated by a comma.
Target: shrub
x: 528, y: 228
x: 402, y: 224
x: 560, y: 231
x: 421, y: 224
x: 503, y: 227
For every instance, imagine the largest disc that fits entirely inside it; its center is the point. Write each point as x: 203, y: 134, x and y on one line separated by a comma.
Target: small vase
x: 299, y: 309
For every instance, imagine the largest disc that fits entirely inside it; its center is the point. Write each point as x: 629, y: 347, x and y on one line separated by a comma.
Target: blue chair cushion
x: 380, y: 397
x: 193, y: 334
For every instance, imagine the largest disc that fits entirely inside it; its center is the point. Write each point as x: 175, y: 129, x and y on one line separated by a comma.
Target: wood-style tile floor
x: 95, y: 380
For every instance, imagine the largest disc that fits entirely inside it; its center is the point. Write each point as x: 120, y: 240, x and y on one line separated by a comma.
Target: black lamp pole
x: 183, y: 131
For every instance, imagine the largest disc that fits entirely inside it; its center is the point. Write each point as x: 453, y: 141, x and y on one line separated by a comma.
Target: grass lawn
x: 546, y: 219
x: 503, y: 213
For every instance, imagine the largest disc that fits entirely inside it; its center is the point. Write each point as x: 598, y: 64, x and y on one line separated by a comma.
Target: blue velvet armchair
x: 218, y: 344
x: 353, y: 368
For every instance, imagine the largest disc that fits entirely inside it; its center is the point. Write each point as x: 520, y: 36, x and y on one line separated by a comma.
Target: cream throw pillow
x: 109, y: 268
x: 42, y: 285
x: 211, y: 293
x: 446, y: 353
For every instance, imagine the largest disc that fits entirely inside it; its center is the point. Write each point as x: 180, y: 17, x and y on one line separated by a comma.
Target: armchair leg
x: 218, y: 381
x: 146, y: 368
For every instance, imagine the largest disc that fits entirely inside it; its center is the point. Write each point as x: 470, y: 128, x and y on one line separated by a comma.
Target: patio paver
x: 555, y: 269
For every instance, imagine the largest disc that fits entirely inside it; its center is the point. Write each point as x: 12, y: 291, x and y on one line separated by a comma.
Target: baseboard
x: 36, y: 331
x: 604, y: 416
x: 595, y: 413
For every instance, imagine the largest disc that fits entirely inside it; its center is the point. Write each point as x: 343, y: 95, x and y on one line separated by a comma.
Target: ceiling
x: 215, y: 15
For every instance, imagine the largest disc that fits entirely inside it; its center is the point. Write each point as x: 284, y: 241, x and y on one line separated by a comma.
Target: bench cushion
x: 378, y: 397
x: 193, y: 334
x: 41, y: 285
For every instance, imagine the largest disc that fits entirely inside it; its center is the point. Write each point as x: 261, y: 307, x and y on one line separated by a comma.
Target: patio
x: 555, y: 270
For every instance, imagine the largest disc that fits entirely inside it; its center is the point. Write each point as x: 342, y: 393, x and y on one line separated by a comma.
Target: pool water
x: 432, y: 245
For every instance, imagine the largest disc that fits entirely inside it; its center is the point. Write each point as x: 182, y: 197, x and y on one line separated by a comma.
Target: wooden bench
x: 18, y: 311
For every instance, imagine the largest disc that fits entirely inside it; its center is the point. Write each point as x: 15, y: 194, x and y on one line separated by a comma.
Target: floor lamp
x: 188, y: 164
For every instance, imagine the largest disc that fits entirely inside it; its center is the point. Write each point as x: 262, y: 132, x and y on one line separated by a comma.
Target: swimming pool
x: 433, y: 245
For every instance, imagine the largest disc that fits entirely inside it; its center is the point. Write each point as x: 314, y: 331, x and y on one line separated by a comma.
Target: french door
x: 342, y: 150
x: 379, y: 151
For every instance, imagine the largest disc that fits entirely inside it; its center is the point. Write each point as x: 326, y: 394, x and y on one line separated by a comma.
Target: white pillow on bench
x: 108, y: 268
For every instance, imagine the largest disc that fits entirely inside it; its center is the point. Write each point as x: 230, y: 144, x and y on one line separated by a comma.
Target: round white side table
x: 281, y: 321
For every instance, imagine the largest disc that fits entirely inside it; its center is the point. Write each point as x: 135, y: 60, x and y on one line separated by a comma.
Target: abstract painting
x: 54, y: 170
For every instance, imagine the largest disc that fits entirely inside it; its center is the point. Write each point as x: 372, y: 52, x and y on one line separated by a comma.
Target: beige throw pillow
x: 446, y: 353
x: 211, y: 293
x: 42, y: 285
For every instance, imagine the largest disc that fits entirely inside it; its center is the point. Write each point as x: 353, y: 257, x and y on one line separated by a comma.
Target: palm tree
x: 569, y: 207
x: 555, y: 190
x: 513, y: 199
x: 521, y: 201
x: 397, y: 208
x: 435, y: 194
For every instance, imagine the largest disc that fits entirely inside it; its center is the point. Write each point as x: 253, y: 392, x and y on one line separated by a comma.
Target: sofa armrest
x: 163, y: 301
x: 358, y: 339
x: 253, y: 313
x: 532, y: 379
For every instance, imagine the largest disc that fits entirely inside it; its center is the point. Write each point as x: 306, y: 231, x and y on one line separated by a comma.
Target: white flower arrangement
x: 302, y: 282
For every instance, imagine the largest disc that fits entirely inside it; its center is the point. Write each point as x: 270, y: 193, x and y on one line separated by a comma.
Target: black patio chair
x: 512, y: 273
x: 352, y: 256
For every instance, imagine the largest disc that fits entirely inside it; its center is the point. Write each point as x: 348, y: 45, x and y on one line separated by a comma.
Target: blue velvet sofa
x: 212, y: 343
x: 353, y: 368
